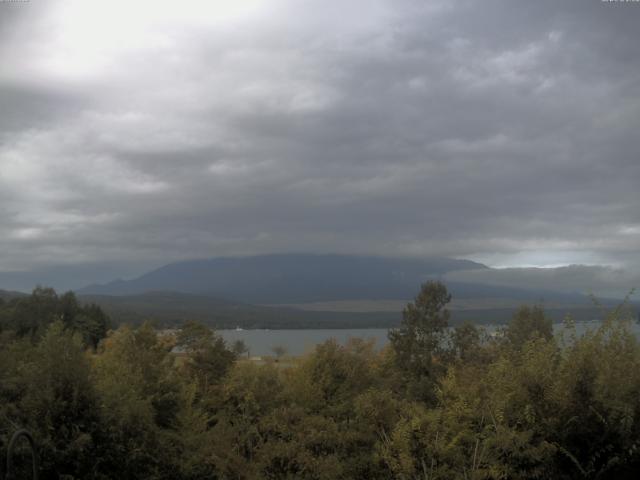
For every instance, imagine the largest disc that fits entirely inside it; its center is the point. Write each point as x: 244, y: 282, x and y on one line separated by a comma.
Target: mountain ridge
x: 279, y: 278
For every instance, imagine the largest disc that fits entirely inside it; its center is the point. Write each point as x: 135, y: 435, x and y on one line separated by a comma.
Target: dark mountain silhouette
x: 304, y: 278
x: 295, y: 278
x: 8, y: 295
x: 276, y: 291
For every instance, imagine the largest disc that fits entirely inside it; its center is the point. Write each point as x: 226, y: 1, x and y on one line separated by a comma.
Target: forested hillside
x: 170, y: 309
x: 436, y: 403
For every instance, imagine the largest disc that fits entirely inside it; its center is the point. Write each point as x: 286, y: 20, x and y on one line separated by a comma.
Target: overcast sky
x: 137, y: 133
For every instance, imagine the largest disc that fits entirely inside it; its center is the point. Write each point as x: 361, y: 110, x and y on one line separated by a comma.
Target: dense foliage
x: 437, y: 403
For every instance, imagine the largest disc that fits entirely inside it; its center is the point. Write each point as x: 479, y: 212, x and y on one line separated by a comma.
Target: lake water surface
x: 299, y: 341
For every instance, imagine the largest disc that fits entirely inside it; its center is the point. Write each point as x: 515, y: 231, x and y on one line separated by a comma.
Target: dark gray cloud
x: 499, y: 131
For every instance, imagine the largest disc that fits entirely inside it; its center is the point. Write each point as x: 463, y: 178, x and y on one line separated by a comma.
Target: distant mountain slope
x: 8, y: 295
x: 273, y: 279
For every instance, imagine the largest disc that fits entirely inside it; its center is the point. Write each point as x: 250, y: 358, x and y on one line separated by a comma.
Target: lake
x: 299, y: 341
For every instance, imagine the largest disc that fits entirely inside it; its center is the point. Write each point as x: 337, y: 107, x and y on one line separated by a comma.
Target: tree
x: 194, y: 336
x: 279, y: 351
x: 420, y: 338
x: 93, y: 326
x: 60, y: 403
x: 333, y: 375
x: 527, y: 324
x: 30, y: 316
x: 209, y: 358
x: 140, y: 394
x: 466, y: 341
x: 239, y: 348
x: 249, y: 393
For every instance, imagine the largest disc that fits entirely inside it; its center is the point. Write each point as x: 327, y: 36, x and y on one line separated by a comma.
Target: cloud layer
x: 497, y: 131
x: 586, y: 279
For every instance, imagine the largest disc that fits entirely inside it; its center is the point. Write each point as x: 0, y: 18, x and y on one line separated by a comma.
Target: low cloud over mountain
x: 599, y: 280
